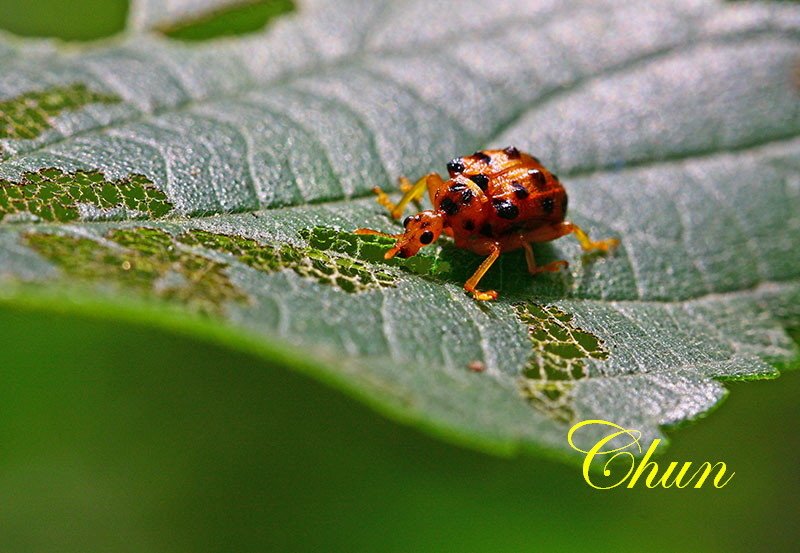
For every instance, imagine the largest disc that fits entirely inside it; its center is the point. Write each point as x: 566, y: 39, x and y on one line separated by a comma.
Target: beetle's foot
x: 384, y: 199
x: 405, y: 184
x: 487, y: 295
x: 552, y: 267
x: 601, y: 245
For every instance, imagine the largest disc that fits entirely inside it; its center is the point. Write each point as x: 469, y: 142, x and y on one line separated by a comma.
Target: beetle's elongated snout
x: 421, y: 229
x: 406, y: 246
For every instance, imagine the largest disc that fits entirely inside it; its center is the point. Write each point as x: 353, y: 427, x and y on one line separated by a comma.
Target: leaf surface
x: 219, y: 183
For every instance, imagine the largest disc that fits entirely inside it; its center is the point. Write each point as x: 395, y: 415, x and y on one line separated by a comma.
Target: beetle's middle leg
x: 533, y: 268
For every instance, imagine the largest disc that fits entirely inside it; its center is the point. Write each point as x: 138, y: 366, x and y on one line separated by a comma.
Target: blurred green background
x: 117, y: 437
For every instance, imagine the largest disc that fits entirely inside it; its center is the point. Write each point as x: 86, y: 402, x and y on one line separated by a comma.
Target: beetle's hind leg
x: 534, y: 269
x: 411, y: 193
x: 557, y: 230
x: 587, y: 243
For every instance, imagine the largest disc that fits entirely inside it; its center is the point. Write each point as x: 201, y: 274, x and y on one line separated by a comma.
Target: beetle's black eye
x: 406, y: 221
x: 455, y: 166
x: 426, y: 237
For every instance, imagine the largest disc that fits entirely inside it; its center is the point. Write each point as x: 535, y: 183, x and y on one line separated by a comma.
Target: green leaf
x: 248, y: 18
x: 80, y: 20
x: 157, y: 14
x: 204, y: 19
x: 218, y: 195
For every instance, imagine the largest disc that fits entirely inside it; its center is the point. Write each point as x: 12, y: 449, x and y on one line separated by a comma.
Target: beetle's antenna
x: 377, y: 233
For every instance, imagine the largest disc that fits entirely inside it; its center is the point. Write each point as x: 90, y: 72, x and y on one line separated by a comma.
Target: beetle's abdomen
x: 506, y: 191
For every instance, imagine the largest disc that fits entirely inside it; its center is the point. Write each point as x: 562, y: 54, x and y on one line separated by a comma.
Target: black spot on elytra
x: 455, y: 165
x: 481, y: 180
x: 466, y: 196
x: 512, y: 152
x: 407, y: 220
x: 486, y: 230
x: 520, y: 191
x: 505, y: 209
x: 448, y: 206
x: 426, y: 237
x: 548, y: 204
x: 469, y: 224
x: 482, y: 156
x: 538, y: 178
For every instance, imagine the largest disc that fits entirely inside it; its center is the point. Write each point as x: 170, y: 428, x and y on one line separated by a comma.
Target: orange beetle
x: 495, y: 201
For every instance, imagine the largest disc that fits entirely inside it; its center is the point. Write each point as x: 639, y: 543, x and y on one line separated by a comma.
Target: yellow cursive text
x: 616, y: 442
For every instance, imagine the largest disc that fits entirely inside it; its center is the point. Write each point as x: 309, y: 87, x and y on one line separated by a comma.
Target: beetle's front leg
x: 411, y: 193
x: 472, y: 283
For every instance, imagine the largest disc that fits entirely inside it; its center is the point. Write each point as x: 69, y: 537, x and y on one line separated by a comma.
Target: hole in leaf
x: 559, y: 348
x: 154, y: 263
x: 28, y: 115
x: 52, y: 195
x: 143, y: 261
x: 347, y: 274
x: 371, y: 248
x: 558, y: 357
x: 247, y: 17
x: 554, y: 399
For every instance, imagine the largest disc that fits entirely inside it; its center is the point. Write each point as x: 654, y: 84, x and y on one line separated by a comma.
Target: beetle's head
x: 421, y: 229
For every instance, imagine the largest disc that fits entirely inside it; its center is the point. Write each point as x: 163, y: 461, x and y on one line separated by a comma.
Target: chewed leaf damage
x: 55, y: 196
x: 558, y: 358
x: 155, y: 263
x: 340, y: 271
x: 371, y: 248
x: 28, y: 115
x: 143, y: 261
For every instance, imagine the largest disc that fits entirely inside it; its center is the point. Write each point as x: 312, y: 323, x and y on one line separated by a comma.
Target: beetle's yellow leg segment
x: 406, y: 186
x: 383, y: 198
x: 411, y: 193
x: 472, y: 283
x: 533, y: 269
x: 587, y: 243
x: 551, y: 232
